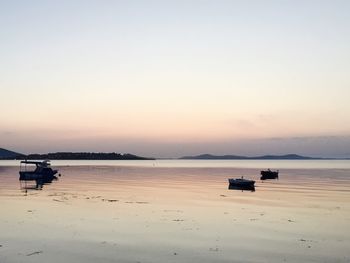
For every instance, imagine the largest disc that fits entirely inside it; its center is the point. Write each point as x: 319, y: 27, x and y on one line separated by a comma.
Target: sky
x: 173, y: 78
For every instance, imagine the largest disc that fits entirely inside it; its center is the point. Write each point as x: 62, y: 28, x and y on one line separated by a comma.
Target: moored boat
x: 240, y: 182
x: 42, y: 170
x: 268, y: 174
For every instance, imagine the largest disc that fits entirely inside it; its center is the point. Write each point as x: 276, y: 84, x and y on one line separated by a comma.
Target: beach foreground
x: 111, y: 213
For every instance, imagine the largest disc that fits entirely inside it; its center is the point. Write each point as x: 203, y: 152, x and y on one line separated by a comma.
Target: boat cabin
x: 35, y: 169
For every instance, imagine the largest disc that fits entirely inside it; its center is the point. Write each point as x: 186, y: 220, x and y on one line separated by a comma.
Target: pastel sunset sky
x: 173, y: 78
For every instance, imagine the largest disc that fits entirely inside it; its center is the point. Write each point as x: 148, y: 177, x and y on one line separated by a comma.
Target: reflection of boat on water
x: 242, y: 188
x: 42, y: 174
x: 268, y: 174
x: 37, y: 184
x: 241, y: 184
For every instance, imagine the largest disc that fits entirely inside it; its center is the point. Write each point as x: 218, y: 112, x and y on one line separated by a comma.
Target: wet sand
x: 106, y: 213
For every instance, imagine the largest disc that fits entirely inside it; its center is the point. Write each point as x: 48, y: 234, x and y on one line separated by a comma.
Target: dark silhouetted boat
x: 241, y: 184
x: 42, y: 170
x: 268, y: 174
x: 36, y: 174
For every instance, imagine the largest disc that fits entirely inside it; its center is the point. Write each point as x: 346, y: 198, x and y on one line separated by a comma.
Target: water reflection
x: 37, y: 183
x: 241, y: 188
x: 131, y: 214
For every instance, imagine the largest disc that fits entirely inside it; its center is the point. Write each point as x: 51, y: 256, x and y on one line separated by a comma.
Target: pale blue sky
x: 168, y: 78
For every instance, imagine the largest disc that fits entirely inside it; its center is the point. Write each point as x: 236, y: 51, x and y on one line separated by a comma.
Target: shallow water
x: 159, y: 211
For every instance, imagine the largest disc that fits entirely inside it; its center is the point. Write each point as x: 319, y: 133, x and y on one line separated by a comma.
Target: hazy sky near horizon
x: 167, y: 78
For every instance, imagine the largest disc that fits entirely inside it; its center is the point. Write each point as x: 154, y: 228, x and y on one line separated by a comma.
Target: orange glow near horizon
x: 214, y: 76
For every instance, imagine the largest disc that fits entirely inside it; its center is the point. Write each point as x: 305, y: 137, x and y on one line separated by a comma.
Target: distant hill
x: 85, y: 156
x: 6, y: 154
x: 238, y: 157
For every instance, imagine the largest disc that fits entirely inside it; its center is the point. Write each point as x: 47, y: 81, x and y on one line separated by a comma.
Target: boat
x: 241, y: 183
x: 42, y: 171
x: 268, y: 174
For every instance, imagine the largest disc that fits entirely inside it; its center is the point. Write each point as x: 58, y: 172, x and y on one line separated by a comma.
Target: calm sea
x: 176, y: 211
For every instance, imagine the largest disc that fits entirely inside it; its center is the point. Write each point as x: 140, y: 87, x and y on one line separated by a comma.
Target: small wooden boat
x: 39, y: 172
x: 42, y: 170
x: 240, y: 182
x: 268, y: 174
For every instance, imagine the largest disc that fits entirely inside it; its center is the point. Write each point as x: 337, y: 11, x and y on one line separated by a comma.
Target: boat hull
x: 241, y: 184
x: 24, y: 175
x: 268, y: 175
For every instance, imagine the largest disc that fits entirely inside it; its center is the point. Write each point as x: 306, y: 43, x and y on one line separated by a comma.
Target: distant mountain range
x: 10, y: 155
x: 6, y: 154
x: 238, y: 157
x: 85, y: 156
